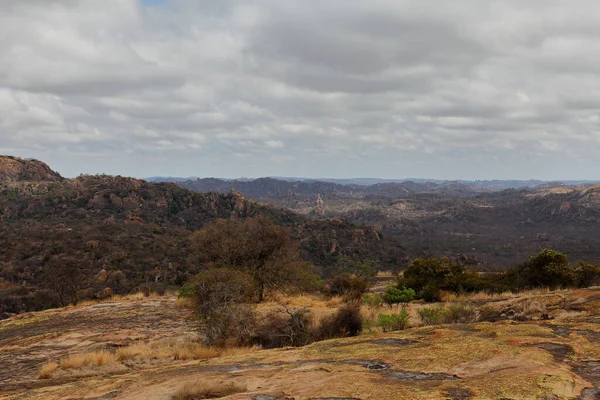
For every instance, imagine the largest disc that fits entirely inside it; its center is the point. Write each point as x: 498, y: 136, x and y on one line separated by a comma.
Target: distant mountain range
x: 495, y: 184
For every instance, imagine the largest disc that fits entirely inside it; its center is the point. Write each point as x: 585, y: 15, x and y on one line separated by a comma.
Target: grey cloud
x: 322, y: 88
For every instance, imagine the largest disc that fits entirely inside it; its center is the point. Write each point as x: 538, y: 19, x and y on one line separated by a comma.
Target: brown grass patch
x: 482, y: 297
x: 135, y: 350
x: 204, y: 389
x: 96, y: 358
x: 47, y: 370
x: 137, y: 354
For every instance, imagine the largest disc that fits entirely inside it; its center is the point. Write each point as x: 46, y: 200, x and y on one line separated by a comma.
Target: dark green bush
x: 587, y: 274
x: 427, y: 276
x: 549, y: 269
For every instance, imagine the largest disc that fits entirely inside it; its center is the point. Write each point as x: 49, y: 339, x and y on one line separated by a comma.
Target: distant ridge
x: 489, y: 184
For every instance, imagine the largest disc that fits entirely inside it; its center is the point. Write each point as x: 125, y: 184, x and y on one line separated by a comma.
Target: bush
x: 222, y: 300
x: 257, y: 246
x: 284, y: 328
x: 394, y: 322
x: 549, y: 269
x: 431, y: 315
x: 348, y: 286
x: 427, y: 276
x: 459, y: 314
x: 588, y: 274
x: 431, y: 294
x: 394, y: 295
x: 347, y: 321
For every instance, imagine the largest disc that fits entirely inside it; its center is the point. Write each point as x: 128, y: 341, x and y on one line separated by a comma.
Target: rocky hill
x: 136, y: 231
x: 17, y: 169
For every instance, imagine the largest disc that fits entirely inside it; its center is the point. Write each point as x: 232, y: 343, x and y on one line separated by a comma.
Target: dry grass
x: 123, y: 297
x: 176, y: 350
x: 320, y: 306
x: 481, y: 297
x: 47, y: 370
x: 96, y: 358
x: 205, y: 389
x: 138, y: 354
x: 184, y: 302
x: 193, y: 351
x: 142, y: 350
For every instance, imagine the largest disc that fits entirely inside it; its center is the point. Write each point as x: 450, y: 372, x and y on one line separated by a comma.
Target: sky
x: 463, y: 89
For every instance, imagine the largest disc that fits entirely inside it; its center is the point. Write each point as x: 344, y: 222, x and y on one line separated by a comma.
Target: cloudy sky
x: 319, y: 88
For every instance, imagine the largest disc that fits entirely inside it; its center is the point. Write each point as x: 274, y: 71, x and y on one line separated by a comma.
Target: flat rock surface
x: 551, y: 359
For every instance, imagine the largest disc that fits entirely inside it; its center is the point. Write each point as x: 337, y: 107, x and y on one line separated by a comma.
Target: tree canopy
x: 258, y: 247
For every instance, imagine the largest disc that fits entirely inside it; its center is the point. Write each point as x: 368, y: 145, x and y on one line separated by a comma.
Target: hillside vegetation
x: 120, y: 233
x: 491, y: 224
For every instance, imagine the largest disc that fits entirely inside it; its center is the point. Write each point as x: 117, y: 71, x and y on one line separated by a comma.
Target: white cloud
x: 463, y: 89
x: 274, y: 144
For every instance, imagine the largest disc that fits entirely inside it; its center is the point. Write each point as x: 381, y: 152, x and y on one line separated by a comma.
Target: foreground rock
x: 553, y: 359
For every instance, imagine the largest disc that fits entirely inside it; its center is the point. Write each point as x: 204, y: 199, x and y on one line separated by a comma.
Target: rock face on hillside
x: 18, y: 169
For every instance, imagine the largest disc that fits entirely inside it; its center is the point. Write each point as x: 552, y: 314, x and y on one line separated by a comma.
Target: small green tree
x: 395, y: 295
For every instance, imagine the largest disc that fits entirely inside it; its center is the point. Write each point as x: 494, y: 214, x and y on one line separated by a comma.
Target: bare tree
x: 66, y: 277
x: 222, y: 302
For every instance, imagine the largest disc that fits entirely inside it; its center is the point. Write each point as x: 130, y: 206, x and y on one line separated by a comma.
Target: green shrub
x: 431, y: 294
x: 431, y: 315
x: 395, y: 295
x: 394, y: 322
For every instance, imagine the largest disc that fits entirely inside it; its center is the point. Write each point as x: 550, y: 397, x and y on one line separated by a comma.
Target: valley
x: 492, y: 226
